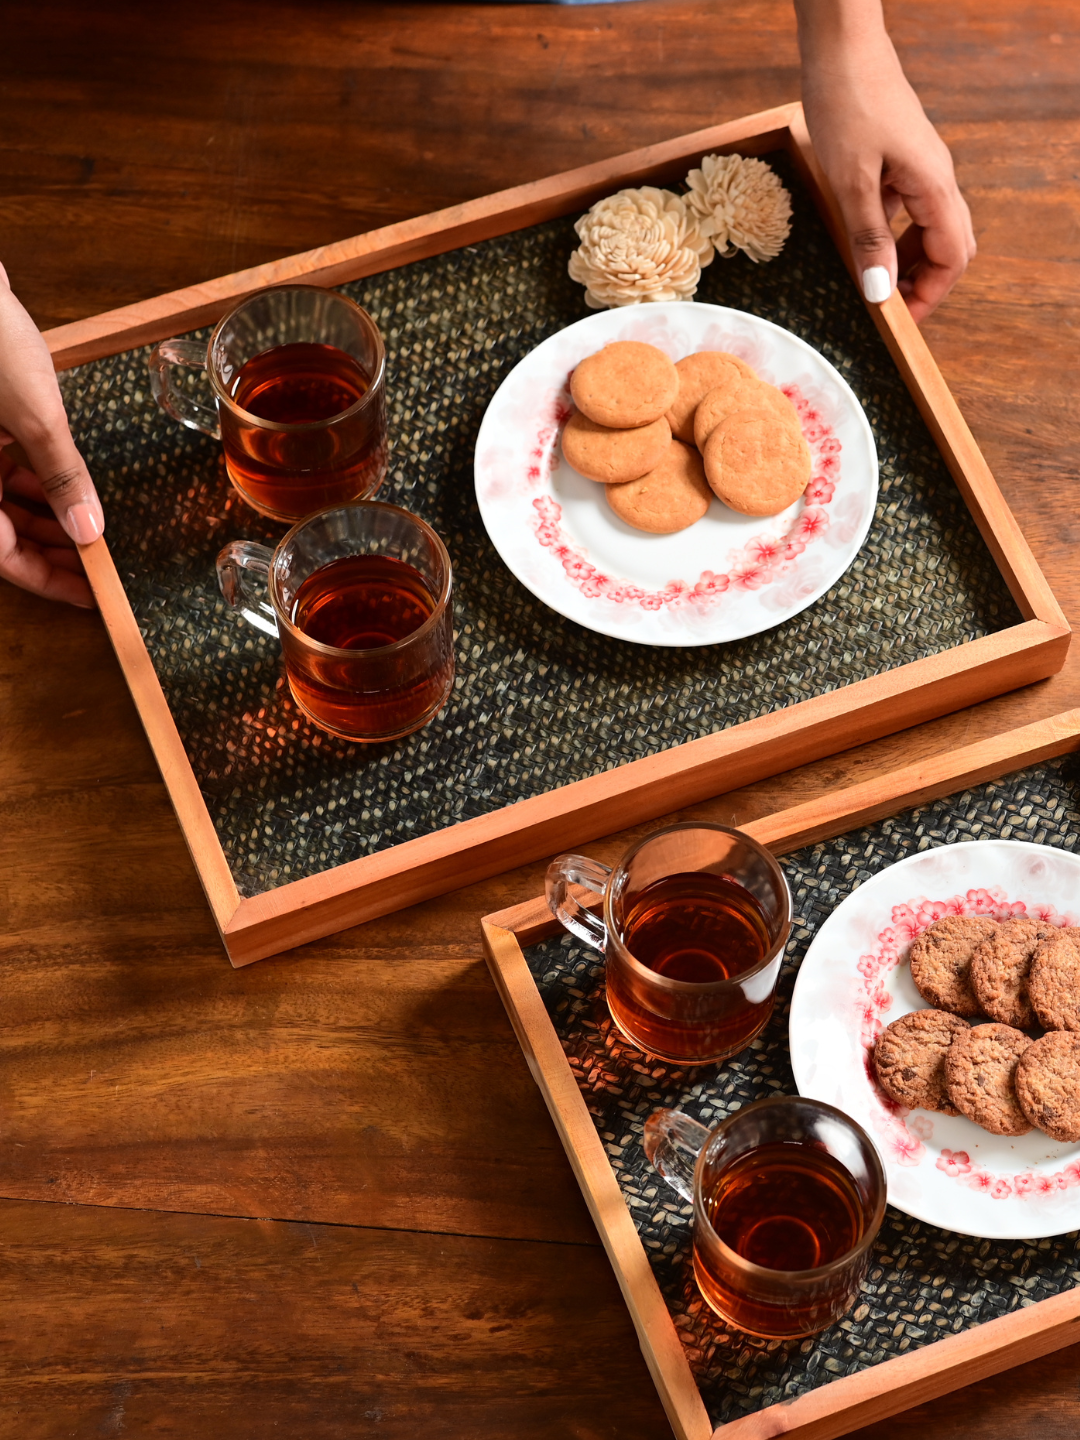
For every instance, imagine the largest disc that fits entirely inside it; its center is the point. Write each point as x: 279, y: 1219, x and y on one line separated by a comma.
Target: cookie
x: 736, y: 393
x: 670, y: 497
x: 979, y: 1074
x: 941, y: 961
x: 614, y: 456
x: 755, y: 464
x: 999, y: 971
x: 1048, y: 1084
x: 1054, y: 982
x: 698, y: 374
x: 624, y: 385
x: 909, y: 1059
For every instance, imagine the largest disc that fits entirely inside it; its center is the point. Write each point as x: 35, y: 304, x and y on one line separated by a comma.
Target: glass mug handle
x: 567, y: 870
x: 672, y: 1144
x: 190, y: 412
x: 236, y: 564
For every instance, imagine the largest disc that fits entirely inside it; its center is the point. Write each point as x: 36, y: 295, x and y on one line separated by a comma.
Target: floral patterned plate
x: 724, y: 578
x: 855, y: 980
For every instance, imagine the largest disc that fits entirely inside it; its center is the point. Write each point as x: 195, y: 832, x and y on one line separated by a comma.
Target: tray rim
x: 878, y: 1391
x: 253, y: 928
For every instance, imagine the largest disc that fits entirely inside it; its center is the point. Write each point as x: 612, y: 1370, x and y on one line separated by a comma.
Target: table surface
x: 322, y: 1194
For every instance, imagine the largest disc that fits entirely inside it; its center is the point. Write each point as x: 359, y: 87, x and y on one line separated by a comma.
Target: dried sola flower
x: 742, y: 205
x: 638, y: 246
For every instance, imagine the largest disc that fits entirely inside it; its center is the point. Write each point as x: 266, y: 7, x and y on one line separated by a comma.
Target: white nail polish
x: 877, y: 287
x: 82, y: 524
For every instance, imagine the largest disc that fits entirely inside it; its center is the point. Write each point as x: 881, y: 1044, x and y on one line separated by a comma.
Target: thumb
x: 65, y: 479
x: 872, y: 245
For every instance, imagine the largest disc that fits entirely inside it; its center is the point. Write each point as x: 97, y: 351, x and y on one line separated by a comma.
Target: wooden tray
x: 263, y: 924
x: 894, y: 1384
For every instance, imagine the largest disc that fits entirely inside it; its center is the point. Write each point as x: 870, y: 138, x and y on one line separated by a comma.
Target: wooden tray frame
x: 880, y: 1390
x: 253, y: 928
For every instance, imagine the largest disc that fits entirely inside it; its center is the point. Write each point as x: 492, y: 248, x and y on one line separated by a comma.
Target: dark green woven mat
x: 924, y: 1283
x: 539, y: 701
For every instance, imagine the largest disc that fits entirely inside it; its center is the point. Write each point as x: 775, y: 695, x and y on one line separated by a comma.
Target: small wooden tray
x: 881, y: 1389
x: 257, y: 925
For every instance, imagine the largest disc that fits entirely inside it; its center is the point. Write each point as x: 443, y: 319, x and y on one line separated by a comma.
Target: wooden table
x: 321, y: 1196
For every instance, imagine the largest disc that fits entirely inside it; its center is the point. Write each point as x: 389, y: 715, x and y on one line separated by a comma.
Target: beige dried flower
x: 638, y: 246
x: 742, y: 205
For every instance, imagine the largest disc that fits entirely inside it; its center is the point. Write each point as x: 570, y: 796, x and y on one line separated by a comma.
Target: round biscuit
x: 624, y: 385
x: 941, y: 959
x: 672, y: 496
x: 1054, y: 982
x: 613, y: 456
x: 756, y: 464
x: 1000, y: 967
x: 909, y: 1059
x: 1048, y: 1085
x: 698, y: 374
x: 980, y: 1070
x: 741, y: 393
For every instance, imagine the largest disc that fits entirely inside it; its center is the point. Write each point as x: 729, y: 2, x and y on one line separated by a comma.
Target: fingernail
x: 82, y: 524
x: 876, y: 284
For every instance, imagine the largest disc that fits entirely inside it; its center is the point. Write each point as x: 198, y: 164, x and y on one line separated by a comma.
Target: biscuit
x: 909, y: 1059
x: 736, y: 393
x: 670, y: 497
x: 999, y: 971
x: 1048, y: 1084
x: 979, y: 1074
x: 614, y: 456
x: 756, y: 465
x: 624, y: 385
x: 698, y: 374
x: 941, y: 960
x: 1054, y: 982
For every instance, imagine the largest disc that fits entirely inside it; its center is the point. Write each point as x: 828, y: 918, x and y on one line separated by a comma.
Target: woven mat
x: 539, y: 701
x: 924, y: 1283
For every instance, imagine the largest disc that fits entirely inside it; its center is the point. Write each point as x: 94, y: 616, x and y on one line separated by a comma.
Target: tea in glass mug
x: 693, y: 927
x: 360, y: 599
x: 298, y: 378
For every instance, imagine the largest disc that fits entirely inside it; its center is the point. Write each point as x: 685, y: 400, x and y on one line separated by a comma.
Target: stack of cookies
x: 664, y: 438
x: 1025, y: 976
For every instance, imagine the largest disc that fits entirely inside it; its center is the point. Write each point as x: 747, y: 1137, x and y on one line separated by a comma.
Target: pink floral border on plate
x: 764, y: 559
x: 903, y: 1132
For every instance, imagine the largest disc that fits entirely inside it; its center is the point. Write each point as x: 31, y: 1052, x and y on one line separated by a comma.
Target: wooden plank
x: 659, y: 1340
x: 168, y: 748
x: 136, y: 1324
x: 409, y: 240
x: 644, y: 789
x: 921, y: 1375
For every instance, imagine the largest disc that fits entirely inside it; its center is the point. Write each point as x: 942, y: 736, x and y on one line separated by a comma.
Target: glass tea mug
x: 712, y: 1003
x: 371, y: 690
x: 287, y: 352
x: 789, y: 1181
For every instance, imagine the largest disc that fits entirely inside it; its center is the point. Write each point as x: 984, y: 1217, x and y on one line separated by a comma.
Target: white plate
x: 855, y: 980
x: 724, y: 578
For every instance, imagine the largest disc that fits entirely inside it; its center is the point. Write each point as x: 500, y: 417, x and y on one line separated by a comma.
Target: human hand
x: 880, y: 152
x: 38, y: 552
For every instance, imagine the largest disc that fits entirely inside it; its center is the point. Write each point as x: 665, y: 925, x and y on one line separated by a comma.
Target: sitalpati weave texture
x: 924, y: 1283
x: 538, y: 701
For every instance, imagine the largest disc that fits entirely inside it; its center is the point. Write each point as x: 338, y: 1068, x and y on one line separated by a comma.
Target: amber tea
x: 697, y: 928
x: 366, y: 603
x: 291, y: 473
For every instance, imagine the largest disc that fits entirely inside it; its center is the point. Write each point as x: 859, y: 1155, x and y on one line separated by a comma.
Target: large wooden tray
x: 263, y: 924
x: 882, y: 1389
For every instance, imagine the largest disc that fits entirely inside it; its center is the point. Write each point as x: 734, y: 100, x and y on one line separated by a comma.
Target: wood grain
x: 139, y: 154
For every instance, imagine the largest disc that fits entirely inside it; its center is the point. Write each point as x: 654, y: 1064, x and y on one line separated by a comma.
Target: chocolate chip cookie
x: 1054, y: 982
x: 909, y: 1059
x: 1048, y: 1084
x: 980, y: 1071
x: 941, y: 961
x: 1000, y: 968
